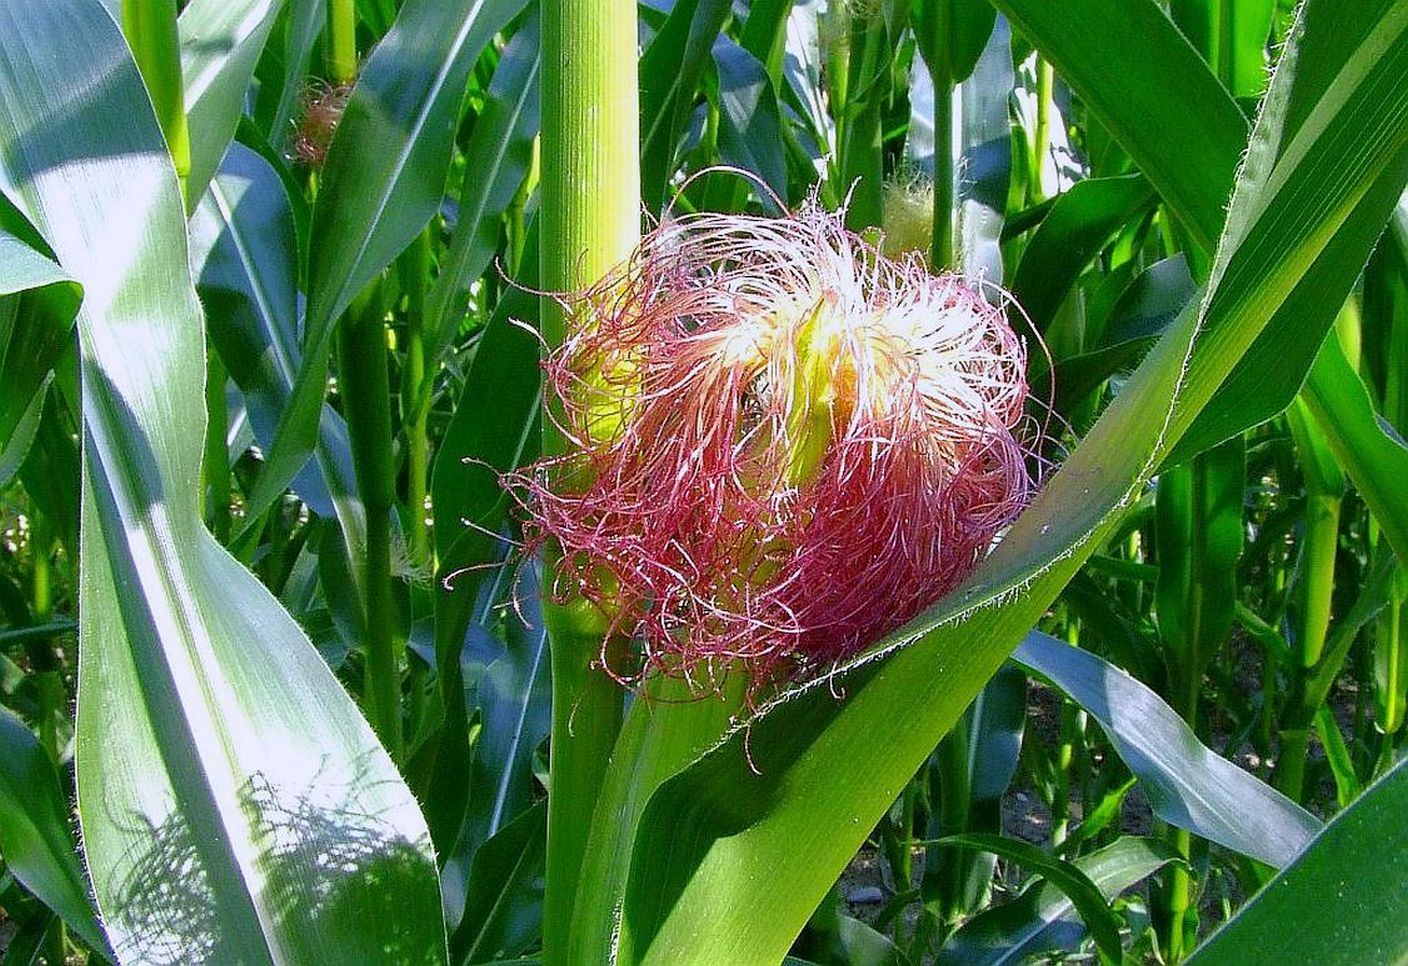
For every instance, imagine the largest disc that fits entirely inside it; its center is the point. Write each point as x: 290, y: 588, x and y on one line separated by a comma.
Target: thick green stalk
x: 590, y: 217
x: 415, y: 396
x: 1390, y: 674
x: 366, y: 402
x: 861, y: 148
x: 342, y: 41
x: 1041, y: 140
x: 150, y: 28
x: 942, y: 256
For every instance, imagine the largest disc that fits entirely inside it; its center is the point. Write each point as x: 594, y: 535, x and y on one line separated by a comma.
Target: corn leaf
x: 37, y: 306
x: 234, y: 804
x: 221, y: 41
x: 35, y: 840
x: 382, y: 183
x: 1187, y: 784
x: 1042, y: 917
x: 1331, y: 905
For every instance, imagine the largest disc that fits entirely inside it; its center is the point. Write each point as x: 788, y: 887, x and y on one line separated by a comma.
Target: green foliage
x: 251, y: 440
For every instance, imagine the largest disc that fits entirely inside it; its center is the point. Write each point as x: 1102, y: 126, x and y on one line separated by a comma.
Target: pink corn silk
x: 674, y: 511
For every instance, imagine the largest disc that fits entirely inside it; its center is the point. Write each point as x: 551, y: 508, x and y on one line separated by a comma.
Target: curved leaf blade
x: 243, y: 251
x: 1329, y: 906
x: 221, y: 41
x: 1364, y: 443
x: 35, y: 841
x: 1079, y: 224
x: 1043, y: 918
x: 1083, y: 894
x: 1188, y: 785
x: 235, y: 806
x: 497, y: 159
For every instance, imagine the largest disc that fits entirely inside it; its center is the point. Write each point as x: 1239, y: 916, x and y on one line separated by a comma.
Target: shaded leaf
x: 35, y: 840
x: 221, y: 41
x: 37, y: 306
x: 1042, y: 917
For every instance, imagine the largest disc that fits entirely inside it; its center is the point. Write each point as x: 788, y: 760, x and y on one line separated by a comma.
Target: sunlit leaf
x: 1187, y: 784
x: 234, y: 804
x: 1341, y: 901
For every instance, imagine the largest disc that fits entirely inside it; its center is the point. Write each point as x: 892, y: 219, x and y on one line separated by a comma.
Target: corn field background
x: 278, y: 683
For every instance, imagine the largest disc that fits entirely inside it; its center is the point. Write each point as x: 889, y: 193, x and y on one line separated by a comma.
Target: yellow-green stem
x: 1180, y: 889
x: 590, y: 218
x: 150, y: 28
x: 1041, y: 140
x: 516, y: 220
x: 366, y: 400
x: 342, y: 41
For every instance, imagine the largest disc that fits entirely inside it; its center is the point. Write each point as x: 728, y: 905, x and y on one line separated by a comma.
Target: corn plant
x: 725, y: 482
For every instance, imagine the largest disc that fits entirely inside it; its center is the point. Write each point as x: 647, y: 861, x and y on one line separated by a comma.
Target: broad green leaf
x: 750, y: 126
x: 234, y: 804
x: 1231, y: 36
x: 714, y: 837
x: 497, y: 159
x: 243, y: 252
x: 1341, y: 902
x: 1358, y: 57
x: 382, y: 183
x: 1153, y: 92
x: 37, y: 306
x: 35, y: 842
x: 221, y: 41
x: 1143, y: 312
x: 764, y: 34
x: 305, y: 18
x: 1080, y: 223
x: 670, y: 70
x: 1084, y: 895
x: 385, y: 171
x: 1043, y: 918
x: 1187, y: 784
x: 1364, y: 443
